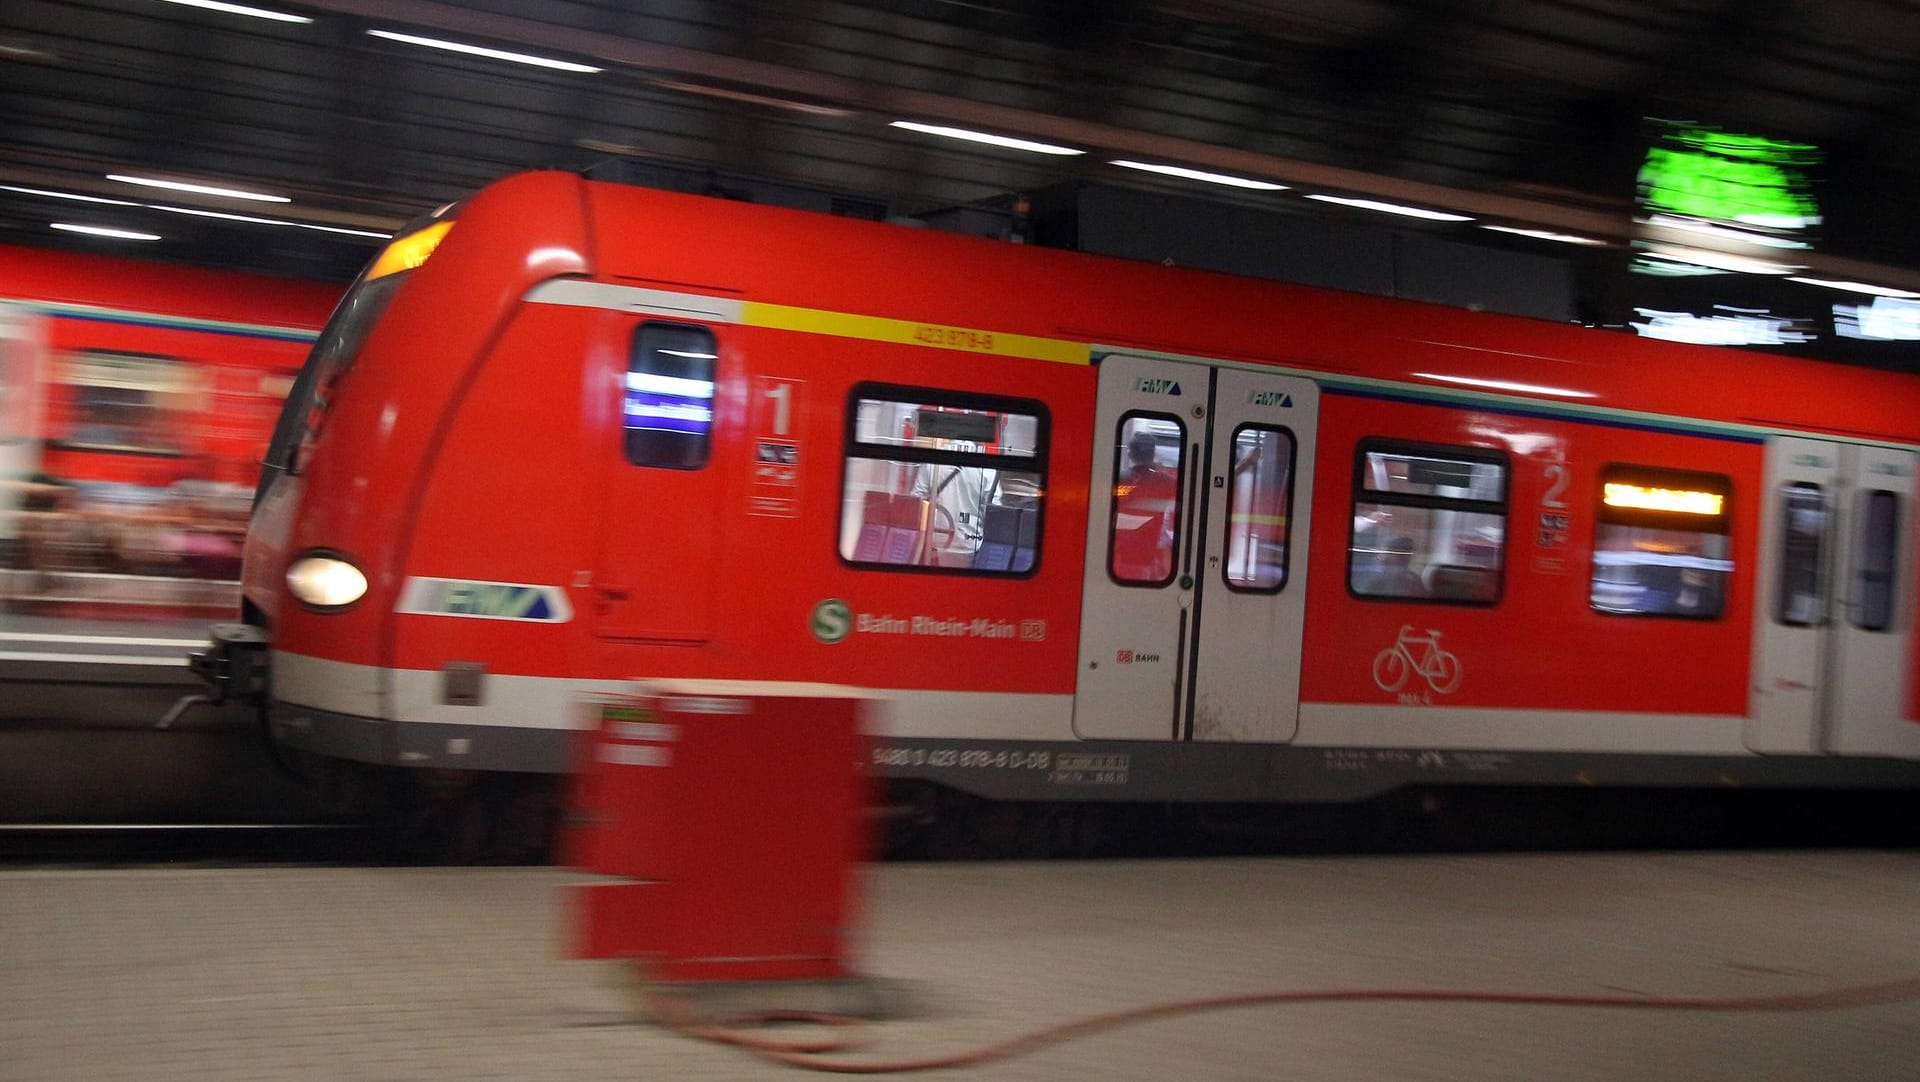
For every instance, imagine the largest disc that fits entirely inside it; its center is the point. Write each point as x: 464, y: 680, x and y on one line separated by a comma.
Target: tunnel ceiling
x: 1529, y: 113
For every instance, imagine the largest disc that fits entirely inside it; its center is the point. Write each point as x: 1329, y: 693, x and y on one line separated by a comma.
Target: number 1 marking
x: 782, y: 395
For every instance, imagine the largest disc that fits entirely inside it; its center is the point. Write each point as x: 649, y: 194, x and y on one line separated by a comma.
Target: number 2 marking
x: 1557, y: 487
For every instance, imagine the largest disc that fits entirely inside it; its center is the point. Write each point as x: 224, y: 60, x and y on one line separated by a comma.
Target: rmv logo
x: 1158, y: 386
x: 1272, y: 398
x: 488, y: 599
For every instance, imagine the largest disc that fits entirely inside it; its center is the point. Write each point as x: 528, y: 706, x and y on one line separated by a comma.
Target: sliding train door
x: 1833, y: 651
x: 1196, y: 553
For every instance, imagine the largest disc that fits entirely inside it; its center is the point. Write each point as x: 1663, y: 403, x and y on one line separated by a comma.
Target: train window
x: 1149, y: 476
x: 122, y: 402
x: 1663, y: 546
x: 943, y: 480
x: 1259, y: 503
x: 1429, y: 523
x: 311, y: 398
x: 667, y: 407
x: 1874, y: 563
x: 1802, y: 598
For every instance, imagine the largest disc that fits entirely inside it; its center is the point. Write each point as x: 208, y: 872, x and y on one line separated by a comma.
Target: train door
x: 657, y: 538
x: 1833, y: 645
x: 1196, y: 555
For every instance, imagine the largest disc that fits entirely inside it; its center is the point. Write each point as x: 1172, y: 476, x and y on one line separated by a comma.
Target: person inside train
x: 960, y: 497
x: 1676, y: 591
x: 1146, y: 506
x: 1392, y: 575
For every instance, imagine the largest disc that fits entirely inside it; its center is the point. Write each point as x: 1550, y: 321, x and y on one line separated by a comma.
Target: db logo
x: 1124, y: 657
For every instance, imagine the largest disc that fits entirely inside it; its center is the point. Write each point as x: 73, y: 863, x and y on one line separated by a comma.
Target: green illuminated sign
x: 1703, y: 173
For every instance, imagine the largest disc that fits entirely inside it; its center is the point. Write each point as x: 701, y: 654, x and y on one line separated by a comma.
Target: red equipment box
x: 739, y: 810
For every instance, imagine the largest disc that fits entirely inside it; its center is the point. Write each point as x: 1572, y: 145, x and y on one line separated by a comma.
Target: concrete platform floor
x: 261, y: 973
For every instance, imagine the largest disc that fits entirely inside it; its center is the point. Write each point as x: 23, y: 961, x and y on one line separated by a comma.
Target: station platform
x: 281, y: 972
x: 94, y: 650
x: 90, y: 672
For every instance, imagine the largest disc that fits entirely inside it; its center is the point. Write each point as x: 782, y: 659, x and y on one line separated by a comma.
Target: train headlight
x: 324, y: 581
x: 410, y: 251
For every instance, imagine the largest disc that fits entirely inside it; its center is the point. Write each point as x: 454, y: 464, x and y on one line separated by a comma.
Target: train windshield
x: 340, y: 343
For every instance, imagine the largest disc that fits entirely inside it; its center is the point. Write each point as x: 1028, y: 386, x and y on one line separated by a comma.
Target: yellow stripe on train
x: 935, y: 335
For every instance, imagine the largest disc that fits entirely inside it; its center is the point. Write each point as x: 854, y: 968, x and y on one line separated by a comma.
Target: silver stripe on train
x: 578, y: 293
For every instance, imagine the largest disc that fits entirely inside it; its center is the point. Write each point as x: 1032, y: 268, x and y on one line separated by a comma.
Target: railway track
x: 187, y: 843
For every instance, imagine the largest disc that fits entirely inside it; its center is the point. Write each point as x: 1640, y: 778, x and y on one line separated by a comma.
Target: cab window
x: 667, y: 404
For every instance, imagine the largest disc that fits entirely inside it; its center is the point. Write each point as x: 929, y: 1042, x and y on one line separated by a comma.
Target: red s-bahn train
x: 1098, y: 530
x: 135, y: 401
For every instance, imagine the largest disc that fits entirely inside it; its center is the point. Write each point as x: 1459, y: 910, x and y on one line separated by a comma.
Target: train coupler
x: 234, y: 664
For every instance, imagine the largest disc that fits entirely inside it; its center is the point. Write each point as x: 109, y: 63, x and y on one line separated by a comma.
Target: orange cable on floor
x: 812, y: 1053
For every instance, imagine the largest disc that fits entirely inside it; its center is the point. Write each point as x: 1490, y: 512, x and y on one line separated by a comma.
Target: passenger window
x: 667, y: 406
x: 1874, y: 564
x: 1259, y: 503
x: 124, y: 403
x: 1149, y: 475
x: 940, y: 479
x: 1429, y: 523
x: 1664, y: 544
x: 1803, y: 568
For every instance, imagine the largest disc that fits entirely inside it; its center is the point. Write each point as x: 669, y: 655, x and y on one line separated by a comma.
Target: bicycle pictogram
x: 1413, y: 654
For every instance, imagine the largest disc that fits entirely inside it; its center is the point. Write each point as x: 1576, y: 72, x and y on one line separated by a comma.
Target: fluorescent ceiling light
x: 1886, y: 319
x: 728, y: 94
x: 983, y: 137
x: 271, y: 221
x: 1544, y: 234
x: 68, y: 195
x: 1504, y: 385
x: 198, y: 189
x: 1667, y: 268
x: 11, y: 51
x: 1197, y: 174
x: 1856, y: 287
x: 1778, y: 221
x: 1393, y: 208
x: 195, y: 211
x: 103, y: 231
x: 241, y: 9
x: 1739, y: 236
x: 491, y: 54
x: 1706, y: 257
x: 1743, y: 327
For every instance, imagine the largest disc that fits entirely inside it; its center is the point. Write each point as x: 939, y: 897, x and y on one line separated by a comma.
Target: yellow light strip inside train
x: 1675, y: 500
x: 409, y: 251
x: 935, y: 335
